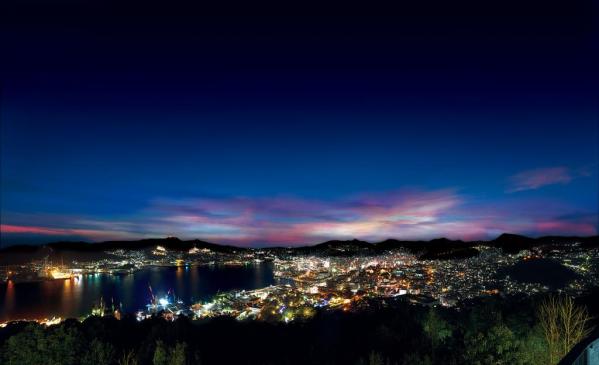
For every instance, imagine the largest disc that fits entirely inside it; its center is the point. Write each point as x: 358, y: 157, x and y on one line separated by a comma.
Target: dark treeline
x: 492, y: 331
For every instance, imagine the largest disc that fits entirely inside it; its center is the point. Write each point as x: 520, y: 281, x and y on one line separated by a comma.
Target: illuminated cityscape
x: 348, y: 280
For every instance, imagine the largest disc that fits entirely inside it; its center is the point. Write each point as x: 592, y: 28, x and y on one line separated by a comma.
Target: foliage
x: 25, y: 348
x: 128, y: 358
x: 498, y: 345
x: 495, y: 331
x: 533, y: 349
x: 436, y: 328
x: 59, y: 345
x: 164, y: 355
x: 564, y: 324
x: 375, y: 359
x: 178, y: 354
x: 99, y: 353
x: 160, y: 354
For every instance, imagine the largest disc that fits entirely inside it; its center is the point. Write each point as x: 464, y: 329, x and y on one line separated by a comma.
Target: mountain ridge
x: 505, y: 241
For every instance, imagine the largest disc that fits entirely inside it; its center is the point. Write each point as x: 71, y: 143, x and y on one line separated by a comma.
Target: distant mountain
x: 338, y: 248
x: 417, y: 246
x: 513, y: 242
x: 25, y: 253
x: 20, y: 249
x: 509, y: 238
x: 440, y: 247
x: 171, y: 243
x: 349, y: 244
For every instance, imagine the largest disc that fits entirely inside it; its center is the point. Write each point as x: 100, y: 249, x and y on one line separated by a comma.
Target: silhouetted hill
x: 451, y: 253
x: 171, y: 243
x: 337, y: 244
x: 591, y: 241
x: 433, y: 247
x: 509, y: 237
x: 338, y: 248
x: 390, y: 244
x: 436, y: 248
x: 20, y: 249
x: 513, y: 243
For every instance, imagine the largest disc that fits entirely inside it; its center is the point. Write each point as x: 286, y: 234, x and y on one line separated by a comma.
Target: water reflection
x: 67, y: 296
x: 9, y: 298
x: 180, y: 281
x: 76, y: 297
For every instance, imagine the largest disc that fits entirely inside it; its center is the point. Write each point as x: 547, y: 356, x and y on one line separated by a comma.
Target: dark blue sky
x: 291, y: 130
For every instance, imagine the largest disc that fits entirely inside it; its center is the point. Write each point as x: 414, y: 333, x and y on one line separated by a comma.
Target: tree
x: 533, y: 348
x: 57, y: 345
x: 27, y: 347
x: 99, y: 353
x: 436, y: 328
x: 178, y: 356
x: 166, y: 356
x: 375, y: 359
x: 128, y: 358
x: 413, y: 358
x: 160, y: 354
x: 496, y: 346
x: 564, y: 324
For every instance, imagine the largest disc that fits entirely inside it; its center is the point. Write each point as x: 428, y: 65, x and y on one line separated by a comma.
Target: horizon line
x: 294, y: 246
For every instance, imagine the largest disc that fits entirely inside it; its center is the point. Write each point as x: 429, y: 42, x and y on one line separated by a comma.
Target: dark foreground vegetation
x: 491, y: 331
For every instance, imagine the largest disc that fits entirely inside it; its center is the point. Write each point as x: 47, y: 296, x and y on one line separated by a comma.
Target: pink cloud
x: 287, y: 220
x: 556, y: 227
x: 70, y: 232
x: 6, y: 228
x: 537, y: 178
x: 264, y: 221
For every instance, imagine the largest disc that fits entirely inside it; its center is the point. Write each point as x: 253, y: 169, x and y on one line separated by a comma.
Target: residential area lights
x: 305, y: 284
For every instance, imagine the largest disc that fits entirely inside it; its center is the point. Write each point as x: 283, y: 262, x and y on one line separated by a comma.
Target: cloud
x: 537, y: 178
x: 556, y: 227
x: 288, y: 220
x: 63, y: 232
x: 7, y: 228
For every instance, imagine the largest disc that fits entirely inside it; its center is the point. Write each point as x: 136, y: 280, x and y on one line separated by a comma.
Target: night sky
x: 122, y: 123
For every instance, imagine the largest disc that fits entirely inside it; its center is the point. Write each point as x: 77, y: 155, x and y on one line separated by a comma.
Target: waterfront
x: 281, y: 285
x: 76, y: 297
